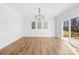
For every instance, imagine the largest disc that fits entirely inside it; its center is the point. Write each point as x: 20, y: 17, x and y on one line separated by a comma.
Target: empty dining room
x: 39, y: 29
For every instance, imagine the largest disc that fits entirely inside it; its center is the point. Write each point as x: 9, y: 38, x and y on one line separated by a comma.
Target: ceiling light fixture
x: 39, y: 16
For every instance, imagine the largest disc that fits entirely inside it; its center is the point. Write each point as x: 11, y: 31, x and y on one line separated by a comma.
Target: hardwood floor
x: 37, y: 46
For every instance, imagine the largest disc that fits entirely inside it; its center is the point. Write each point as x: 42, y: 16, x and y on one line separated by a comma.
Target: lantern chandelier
x: 39, y: 16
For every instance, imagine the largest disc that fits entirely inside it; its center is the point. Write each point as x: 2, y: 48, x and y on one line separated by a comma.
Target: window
x: 39, y: 25
x: 33, y: 25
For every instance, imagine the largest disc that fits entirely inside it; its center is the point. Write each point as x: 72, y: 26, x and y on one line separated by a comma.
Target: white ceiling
x: 49, y: 9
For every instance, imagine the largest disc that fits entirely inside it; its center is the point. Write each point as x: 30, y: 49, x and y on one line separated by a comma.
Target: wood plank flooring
x: 37, y: 46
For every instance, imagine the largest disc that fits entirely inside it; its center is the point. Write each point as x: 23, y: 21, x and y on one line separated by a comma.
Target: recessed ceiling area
x: 51, y: 9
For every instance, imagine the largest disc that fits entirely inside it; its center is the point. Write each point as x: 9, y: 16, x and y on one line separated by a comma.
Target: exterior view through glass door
x: 66, y: 30
x: 75, y: 31
x: 71, y: 31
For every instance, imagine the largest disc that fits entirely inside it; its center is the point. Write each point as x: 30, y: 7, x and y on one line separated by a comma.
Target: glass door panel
x: 75, y: 31
x: 66, y: 30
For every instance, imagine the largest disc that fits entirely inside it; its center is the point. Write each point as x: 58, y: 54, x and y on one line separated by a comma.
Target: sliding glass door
x: 71, y: 31
x: 75, y: 31
x: 66, y: 30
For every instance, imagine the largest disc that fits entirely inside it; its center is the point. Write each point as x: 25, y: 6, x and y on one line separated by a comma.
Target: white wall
x: 28, y: 12
x: 29, y: 17
x: 15, y: 23
x: 10, y: 25
x: 58, y: 27
x: 28, y: 32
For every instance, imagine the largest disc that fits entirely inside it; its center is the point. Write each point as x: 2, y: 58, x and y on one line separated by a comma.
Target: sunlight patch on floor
x: 73, y: 49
